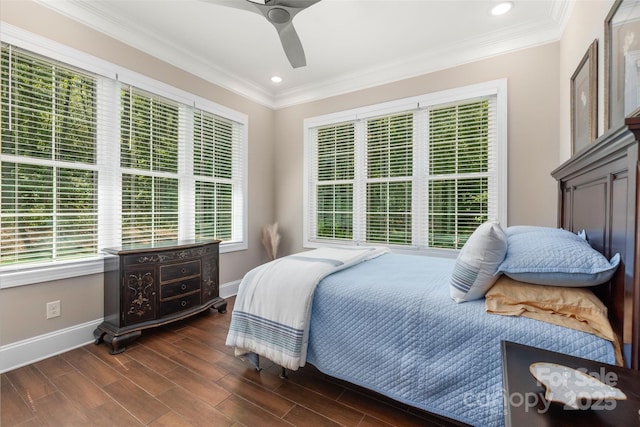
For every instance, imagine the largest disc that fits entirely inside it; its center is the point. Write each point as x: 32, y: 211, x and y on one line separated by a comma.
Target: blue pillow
x: 521, y: 229
x: 554, y: 257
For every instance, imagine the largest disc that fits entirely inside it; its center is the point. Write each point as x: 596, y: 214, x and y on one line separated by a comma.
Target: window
x: 89, y: 161
x: 149, y: 143
x: 420, y: 173
x: 49, y: 174
x: 389, y: 160
x: 335, y: 172
x: 216, y: 167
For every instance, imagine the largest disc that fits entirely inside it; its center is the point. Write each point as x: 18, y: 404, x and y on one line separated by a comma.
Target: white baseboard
x: 31, y: 350
x: 21, y: 353
x: 229, y: 289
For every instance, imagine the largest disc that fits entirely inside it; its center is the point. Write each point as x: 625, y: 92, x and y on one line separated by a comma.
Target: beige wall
x: 533, y: 128
x: 22, y: 309
x: 585, y: 25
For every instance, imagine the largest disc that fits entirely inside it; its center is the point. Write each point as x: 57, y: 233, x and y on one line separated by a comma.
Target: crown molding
x: 519, y: 37
x: 99, y: 18
x: 448, y: 56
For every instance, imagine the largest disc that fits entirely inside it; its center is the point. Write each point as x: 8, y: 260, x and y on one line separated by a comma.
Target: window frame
x: 108, y: 143
x: 420, y: 104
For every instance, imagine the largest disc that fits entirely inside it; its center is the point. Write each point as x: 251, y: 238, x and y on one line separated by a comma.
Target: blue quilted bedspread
x: 389, y: 325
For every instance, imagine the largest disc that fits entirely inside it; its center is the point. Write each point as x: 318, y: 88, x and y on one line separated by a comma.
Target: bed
x: 388, y: 322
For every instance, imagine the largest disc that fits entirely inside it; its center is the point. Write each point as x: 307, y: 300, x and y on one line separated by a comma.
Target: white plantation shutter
x: 423, y: 174
x: 49, y: 173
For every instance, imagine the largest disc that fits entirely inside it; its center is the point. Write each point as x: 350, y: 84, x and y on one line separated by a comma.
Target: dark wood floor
x: 183, y: 375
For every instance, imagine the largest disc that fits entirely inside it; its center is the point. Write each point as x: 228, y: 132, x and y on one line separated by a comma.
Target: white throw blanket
x: 273, y: 306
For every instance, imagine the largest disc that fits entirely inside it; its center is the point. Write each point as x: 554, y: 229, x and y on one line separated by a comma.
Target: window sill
x: 20, y: 276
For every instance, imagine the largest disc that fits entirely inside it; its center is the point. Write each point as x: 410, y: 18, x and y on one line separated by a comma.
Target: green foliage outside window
x: 456, y: 184
x: 48, y: 114
x: 336, y: 157
x: 148, y: 142
x: 389, y: 157
x: 459, y: 145
x: 213, y: 159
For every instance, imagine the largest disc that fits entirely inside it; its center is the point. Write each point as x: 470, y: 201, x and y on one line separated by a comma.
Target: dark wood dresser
x: 149, y: 286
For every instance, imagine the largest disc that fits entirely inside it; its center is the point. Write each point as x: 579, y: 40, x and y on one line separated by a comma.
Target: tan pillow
x: 574, y: 308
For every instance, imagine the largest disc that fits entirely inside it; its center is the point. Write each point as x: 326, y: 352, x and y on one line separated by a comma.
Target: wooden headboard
x: 598, y: 193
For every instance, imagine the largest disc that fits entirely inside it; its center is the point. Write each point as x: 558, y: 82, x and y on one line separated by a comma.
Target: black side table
x: 525, y: 404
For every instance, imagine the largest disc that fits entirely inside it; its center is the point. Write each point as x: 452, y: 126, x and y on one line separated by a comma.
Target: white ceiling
x: 349, y: 44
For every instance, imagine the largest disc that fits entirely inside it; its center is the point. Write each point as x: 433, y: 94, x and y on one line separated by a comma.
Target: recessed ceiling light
x: 501, y: 8
x: 276, y: 79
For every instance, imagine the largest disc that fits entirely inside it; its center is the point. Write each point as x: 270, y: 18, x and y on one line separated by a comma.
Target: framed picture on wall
x: 622, y: 62
x: 584, y: 100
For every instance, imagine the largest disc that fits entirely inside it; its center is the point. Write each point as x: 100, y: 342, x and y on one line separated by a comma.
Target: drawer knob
x: 183, y: 303
x: 183, y: 270
x: 183, y: 286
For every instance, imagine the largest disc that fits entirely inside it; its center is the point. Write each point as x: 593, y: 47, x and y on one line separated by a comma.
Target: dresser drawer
x: 170, y: 290
x: 178, y: 304
x: 177, y: 271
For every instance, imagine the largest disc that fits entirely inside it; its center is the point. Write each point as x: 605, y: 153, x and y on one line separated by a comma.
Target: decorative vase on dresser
x: 149, y: 286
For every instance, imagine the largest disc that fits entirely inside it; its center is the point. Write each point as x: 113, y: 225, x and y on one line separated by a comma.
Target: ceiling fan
x: 280, y: 14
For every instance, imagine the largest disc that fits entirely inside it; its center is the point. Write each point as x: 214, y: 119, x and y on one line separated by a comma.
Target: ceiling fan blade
x: 298, y: 4
x: 292, y: 45
x: 280, y: 14
x: 236, y: 4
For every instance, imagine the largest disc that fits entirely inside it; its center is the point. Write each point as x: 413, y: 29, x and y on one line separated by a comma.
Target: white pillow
x: 475, y: 270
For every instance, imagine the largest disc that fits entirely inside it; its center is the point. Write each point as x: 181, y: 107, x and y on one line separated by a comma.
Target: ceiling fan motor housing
x: 278, y: 15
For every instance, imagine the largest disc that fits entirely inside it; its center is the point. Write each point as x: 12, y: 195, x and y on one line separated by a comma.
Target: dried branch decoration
x: 271, y: 239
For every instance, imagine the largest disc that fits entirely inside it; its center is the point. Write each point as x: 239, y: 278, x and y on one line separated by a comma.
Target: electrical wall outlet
x: 53, y: 309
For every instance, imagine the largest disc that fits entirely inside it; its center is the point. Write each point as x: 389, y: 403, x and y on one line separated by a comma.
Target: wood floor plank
x: 197, y: 412
x: 152, y: 359
x: 208, y: 338
x: 54, y: 366
x: 257, y: 395
x: 198, y: 365
x: 380, y: 410
x: 303, y: 417
x: 146, y: 378
x: 265, y: 378
x: 94, y: 368
x: 111, y: 414
x: 158, y: 344
x: 171, y: 419
x: 205, y: 389
x: 56, y: 410
x: 13, y: 409
x: 113, y: 360
x: 311, y: 380
x: 138, y: 402
x: 332, y: 409
x: 30, y: 383
x: 80, y: 390
x: 249, y: 414
x: 374, y: 422
x: 202, y: 351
